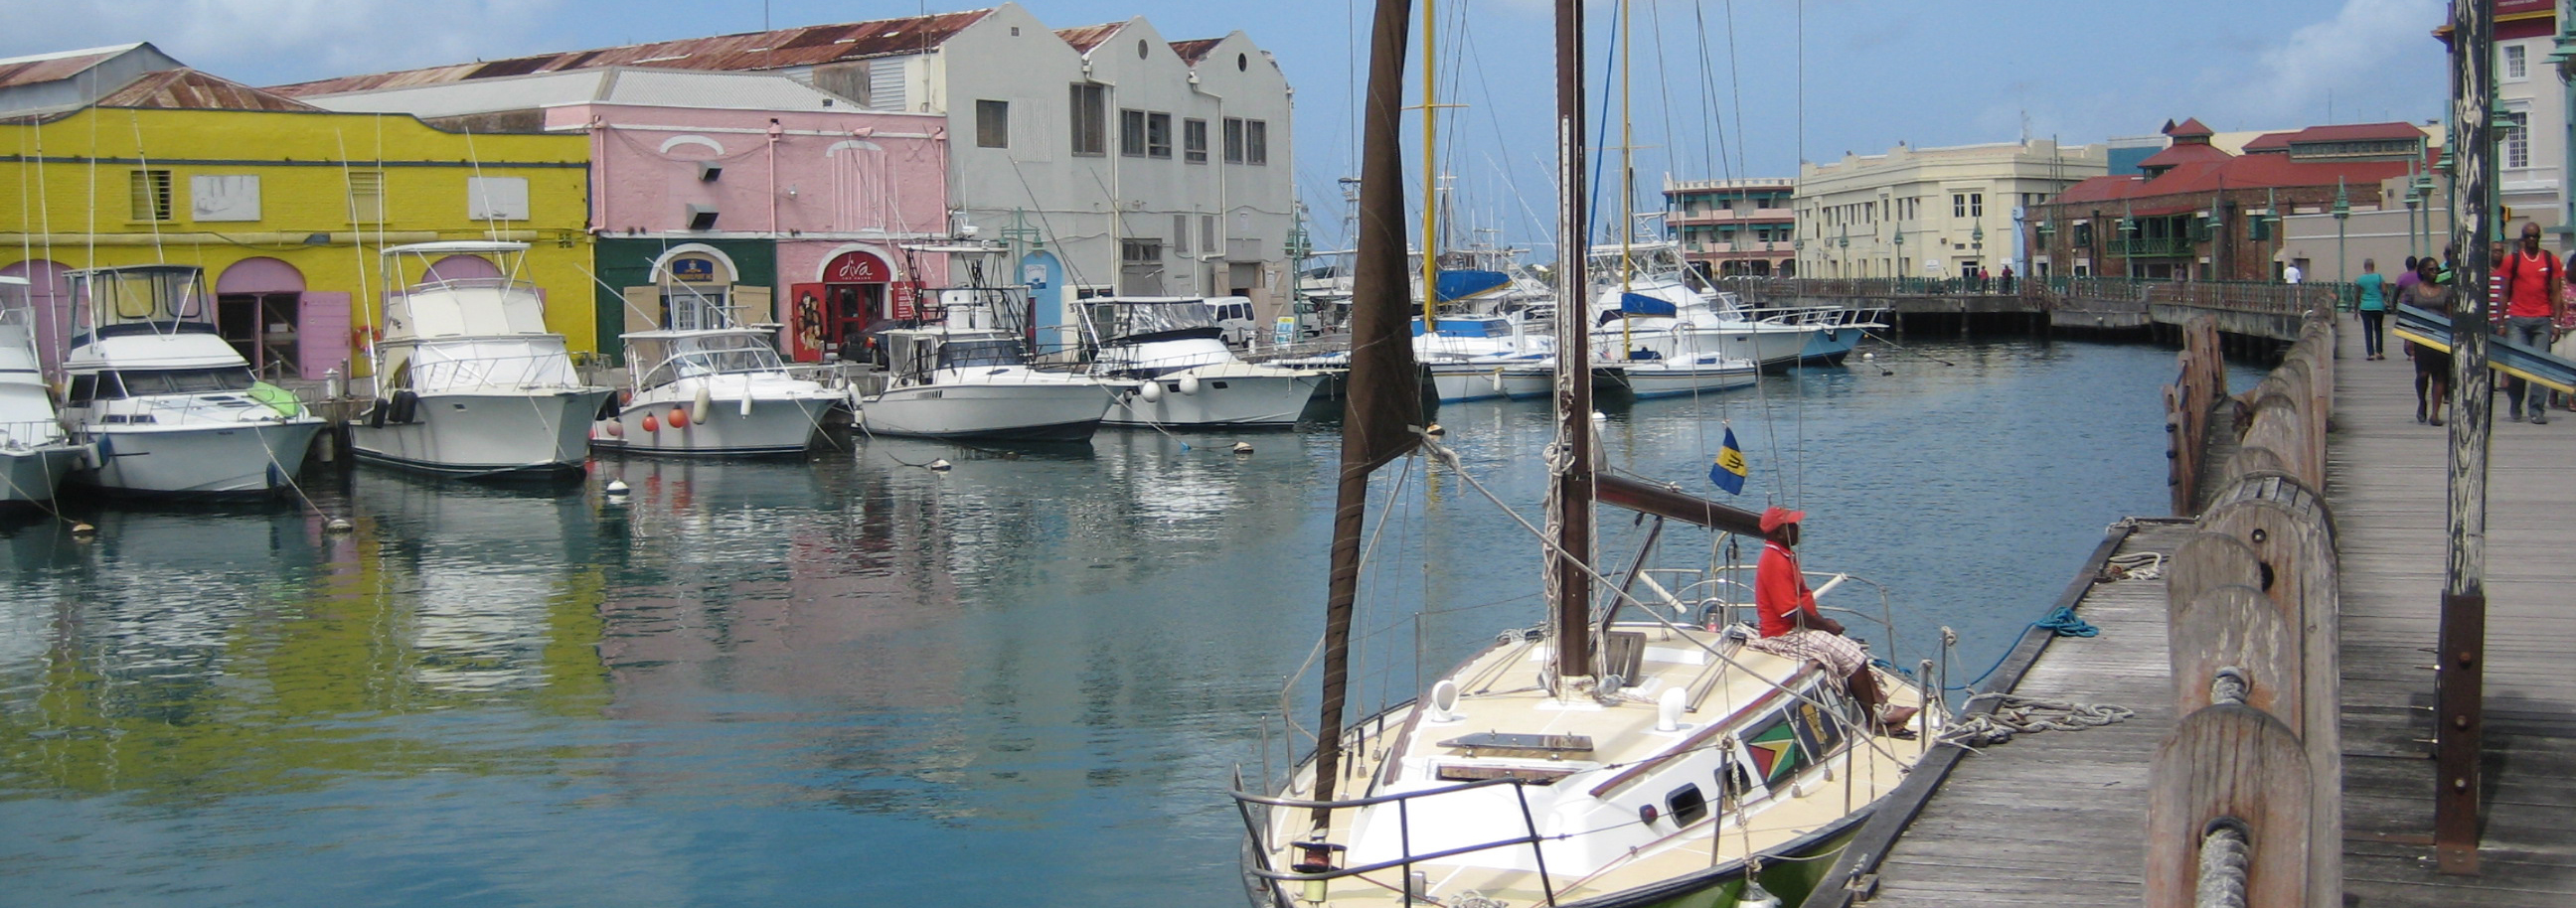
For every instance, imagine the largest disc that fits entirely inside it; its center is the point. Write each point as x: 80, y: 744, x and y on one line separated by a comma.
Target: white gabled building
x: 1109, y: 158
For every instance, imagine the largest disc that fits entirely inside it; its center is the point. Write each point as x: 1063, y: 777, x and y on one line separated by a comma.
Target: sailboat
x: 170, y: 406
x: 1632, y: 756
x: 35, y: 451
x: 469, y: 381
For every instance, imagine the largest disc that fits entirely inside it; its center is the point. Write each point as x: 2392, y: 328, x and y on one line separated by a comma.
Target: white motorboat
x: 1478, y: 357
x: 968, y: 377
x: 468, y: 380
x: 35, y: 450
x: 1184, y: 374
x: 711, y: 388
x: 1652, y: 316
x: 170, y: 407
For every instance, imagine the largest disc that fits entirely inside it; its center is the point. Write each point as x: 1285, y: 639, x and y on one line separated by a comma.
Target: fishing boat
x: 469, y: 382
x: 1476, y: 357
x: 1640, y: 754
x: 168, y: 405
x: 709, y: 382
x: 967, y: 376
x: 1170, y: 358
x: 35, y: 451
x: 1658, y: 303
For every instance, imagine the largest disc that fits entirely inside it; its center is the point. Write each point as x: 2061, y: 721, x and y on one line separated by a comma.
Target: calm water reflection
x: 848, y: 680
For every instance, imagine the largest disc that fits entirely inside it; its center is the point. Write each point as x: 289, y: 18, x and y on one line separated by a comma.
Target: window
x: 992, y: 124
x: 2516, y: 142
x: 1140, y: 251
x: 1181, y: 235
x: 1194, y: 141
x: 1207, y: 232
x: 1976, y: 204
x: 1090, y: 118
x: 366, y: 195
x: 151, y: 189
x: 2515, y: 65
x: 1131, y: 133
x: 1158, y: 135
x: 1256, y: 142
x: 1958, y: 204
x: 1233, y: 140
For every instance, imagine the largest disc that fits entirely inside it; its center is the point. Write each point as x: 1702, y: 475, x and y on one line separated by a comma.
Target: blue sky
x: 1875, y: 72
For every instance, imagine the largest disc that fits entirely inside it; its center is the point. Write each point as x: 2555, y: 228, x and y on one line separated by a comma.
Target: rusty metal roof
x: 41, y: 68
x: 188, y: 88
x: 1195, y: 49
x: 802, y: 46
x: 1085, y: 37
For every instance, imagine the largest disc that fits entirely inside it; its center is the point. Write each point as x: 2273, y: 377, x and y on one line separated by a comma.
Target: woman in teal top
x: 2373, y: 290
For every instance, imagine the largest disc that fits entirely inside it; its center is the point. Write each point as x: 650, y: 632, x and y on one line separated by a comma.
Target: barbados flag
x: 1728, y: 472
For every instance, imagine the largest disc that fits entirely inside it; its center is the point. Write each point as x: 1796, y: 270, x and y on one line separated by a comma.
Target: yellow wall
x: 46, y: 194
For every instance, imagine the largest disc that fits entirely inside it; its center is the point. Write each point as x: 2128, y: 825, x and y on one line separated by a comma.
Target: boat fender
x: 1151, y: 392
x: 679, y: 418
x: 652, y: 424
x: 1444, y: 701
x: 376, y: 414
x: 1756, y: 897
x: 616, y: 429
x: 1668, y: 709
x: 406, y: 406
x: 1189, y: 384
x: 703, y: 407
x: 745, y: 410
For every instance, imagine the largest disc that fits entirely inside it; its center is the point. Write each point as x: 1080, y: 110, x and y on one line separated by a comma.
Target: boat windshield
x: 999, y: 351
x: 149, y: 382
x: 714, y: 354
x: 1129, y: 319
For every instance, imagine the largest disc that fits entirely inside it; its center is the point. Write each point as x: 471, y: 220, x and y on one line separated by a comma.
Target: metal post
x: 2458, y: 689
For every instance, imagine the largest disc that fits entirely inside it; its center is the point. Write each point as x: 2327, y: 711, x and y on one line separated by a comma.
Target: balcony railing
x: 1729, y: 215
x: 2146, y: 247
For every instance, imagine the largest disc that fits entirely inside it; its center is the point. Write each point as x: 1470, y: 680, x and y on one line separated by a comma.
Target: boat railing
x: 523, y: 372
x: 20, y: 435
x: 194, y: 407
x: 1255, y: 825
x: 442, y: 285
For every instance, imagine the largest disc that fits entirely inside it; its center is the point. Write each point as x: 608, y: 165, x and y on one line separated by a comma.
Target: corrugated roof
x: 1085, y: 37
x: 36, y: 69
x: 1195, y: 49
x: 805, y: 46
x: 194, y: 90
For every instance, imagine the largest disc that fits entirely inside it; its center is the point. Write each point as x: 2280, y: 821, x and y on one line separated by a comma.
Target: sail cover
x: 1641, y: 304
x: 1464, y: 283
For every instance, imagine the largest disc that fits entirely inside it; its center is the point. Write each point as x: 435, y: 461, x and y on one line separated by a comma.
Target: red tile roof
x: 1085, y: 37
x: 191, y: 89
x: 2341, y: 132
x: 1195, y: 49
x: 2187, y: 186
x: 2190, y: 126
x: 45, y: 68
x: 2179, y: 153
x: 803, y: 46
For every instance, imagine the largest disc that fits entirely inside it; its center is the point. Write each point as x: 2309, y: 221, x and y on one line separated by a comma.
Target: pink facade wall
x: 835, y: 172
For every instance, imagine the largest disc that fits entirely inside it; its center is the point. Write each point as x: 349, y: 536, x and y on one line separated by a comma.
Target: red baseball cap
x: 1776, y: 517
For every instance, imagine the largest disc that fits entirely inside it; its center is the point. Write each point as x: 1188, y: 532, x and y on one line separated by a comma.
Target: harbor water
x: 848, y: 679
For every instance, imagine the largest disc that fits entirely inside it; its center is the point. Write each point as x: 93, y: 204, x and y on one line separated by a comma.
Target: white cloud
x: 2353, y: 56
x: 272, y: 41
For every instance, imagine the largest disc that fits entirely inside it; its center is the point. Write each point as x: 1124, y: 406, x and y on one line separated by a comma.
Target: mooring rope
x: 2015, y: 715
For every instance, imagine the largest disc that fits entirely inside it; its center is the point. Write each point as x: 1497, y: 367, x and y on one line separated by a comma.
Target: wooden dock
x: 2060, y: 818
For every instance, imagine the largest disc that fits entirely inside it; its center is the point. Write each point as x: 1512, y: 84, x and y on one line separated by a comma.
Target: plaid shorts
x: 1839, y: 654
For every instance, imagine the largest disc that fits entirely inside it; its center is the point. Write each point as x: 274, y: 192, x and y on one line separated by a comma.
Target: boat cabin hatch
x: 1510, y: 742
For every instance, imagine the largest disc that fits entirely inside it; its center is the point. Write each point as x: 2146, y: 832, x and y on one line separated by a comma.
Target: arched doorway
x: 1043, y: 275
x: 856, y: 290
x: 259, y: 309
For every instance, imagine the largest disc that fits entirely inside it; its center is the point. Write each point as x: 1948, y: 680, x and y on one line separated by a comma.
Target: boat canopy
x: 697, y: 354
x: 1475, y: 326
x: 466, y: 307
x: 1467, y: 283
x: 140, y: 293
x: 1132, y: 318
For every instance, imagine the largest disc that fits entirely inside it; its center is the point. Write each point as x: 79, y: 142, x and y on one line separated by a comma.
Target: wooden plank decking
x: 2387, y: 489
x: 2056, y: 818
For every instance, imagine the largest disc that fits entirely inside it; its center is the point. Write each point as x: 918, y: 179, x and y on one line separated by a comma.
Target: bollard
x: 2229, y: 763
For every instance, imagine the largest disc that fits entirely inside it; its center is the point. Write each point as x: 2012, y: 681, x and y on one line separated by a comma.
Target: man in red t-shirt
x: 1792, y: 627
x: 2531, y: 307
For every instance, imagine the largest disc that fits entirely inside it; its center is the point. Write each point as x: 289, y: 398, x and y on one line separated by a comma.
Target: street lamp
x: 1899, y: 274
x: 2342, y: 212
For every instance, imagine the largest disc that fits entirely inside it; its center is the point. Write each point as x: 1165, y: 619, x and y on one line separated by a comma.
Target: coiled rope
x: 2064, y: 622
x: 2016, y: 715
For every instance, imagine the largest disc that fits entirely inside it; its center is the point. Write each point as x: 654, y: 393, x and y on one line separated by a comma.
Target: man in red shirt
x: 1791, y: 626
x: 2531, y: 308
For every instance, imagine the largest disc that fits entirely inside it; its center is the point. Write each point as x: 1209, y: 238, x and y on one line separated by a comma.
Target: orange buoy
x: 679, y: 418
x: 651, y: 424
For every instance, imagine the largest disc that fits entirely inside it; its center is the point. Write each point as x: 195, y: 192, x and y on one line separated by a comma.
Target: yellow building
x: 284, y: 205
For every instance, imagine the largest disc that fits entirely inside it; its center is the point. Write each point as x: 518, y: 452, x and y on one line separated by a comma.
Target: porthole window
x: 1140, y: 48
x: 1687, y: 805
x: 1242, y: 62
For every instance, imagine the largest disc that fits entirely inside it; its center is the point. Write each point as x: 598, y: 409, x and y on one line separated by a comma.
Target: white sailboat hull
x: 1243, y: 396
x: 200, y: 459
x: 486, y: 434
x: 1006, y: 410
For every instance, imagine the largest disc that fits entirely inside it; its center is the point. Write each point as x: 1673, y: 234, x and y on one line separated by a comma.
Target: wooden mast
x: 2458, y: 688
x: 1383, y: 410
x: 1569, y: 514
x: 1430, y: 170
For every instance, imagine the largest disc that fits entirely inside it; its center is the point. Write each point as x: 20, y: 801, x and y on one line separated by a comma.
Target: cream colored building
x: 1937, y: 212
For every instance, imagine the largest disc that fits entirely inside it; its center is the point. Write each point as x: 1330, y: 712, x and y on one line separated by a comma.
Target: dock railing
x: 2200, y: 380
x: 2245, y: 798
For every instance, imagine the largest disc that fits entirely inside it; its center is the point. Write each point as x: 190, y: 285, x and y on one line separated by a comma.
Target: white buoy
x: 617, y: 489
x: 1668, y: 709
x: 939, y: 466
x: 702, y: 408
x: 1868, y: 355
x: 1243, y: 447
x: 1189, y: 384
x: 1598, y: 416
x: 82, y: 528
x: 338, y: 525
x: 1151, y: 392
x: 1436, y: 430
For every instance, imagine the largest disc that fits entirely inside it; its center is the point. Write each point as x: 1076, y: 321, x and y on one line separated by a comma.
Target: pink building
x: 792, y: 203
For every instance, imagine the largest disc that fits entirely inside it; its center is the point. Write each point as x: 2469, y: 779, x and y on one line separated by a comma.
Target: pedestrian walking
x: 2532, y: 281
x: 2008, y: 277
x: 2432, y: 367
x: 2372, y: 290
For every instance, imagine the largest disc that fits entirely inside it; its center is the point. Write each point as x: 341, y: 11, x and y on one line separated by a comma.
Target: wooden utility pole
x: 2458, y: 691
